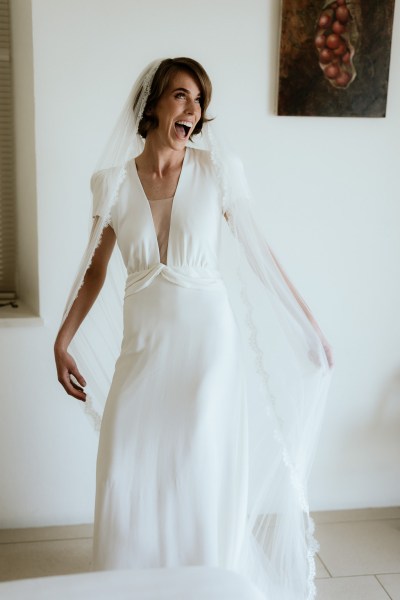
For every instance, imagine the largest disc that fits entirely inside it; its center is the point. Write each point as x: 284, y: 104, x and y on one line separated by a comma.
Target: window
x: 7, y: 169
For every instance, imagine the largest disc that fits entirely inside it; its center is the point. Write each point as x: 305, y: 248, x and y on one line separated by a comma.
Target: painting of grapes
x: 335, y: 57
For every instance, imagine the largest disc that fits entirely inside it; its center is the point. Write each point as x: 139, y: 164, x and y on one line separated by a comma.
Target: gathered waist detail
x: 191, y: 277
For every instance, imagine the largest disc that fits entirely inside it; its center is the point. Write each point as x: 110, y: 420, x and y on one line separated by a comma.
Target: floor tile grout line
x: 48, y: 540
x: 385, y: 509
x: 353, y: 519
x: 317, y: 524
x: 354, y: 576
x: 382, y: 586
x: 324, y: 565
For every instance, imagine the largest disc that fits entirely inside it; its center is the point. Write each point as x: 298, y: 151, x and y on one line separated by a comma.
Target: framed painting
x: 334, y: 57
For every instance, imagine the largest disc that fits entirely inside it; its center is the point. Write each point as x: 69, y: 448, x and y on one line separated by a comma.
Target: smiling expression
x: 178, y: 111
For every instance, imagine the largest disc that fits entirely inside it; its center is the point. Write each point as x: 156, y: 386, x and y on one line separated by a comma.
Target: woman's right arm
x: 92, y: 284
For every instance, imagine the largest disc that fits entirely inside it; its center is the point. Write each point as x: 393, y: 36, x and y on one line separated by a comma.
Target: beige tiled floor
x: 359, y: 558
x: 391, y: 583
x: 359, y: 553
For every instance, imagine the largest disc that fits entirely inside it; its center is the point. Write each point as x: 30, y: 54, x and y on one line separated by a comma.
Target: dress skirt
x: 172, y: 461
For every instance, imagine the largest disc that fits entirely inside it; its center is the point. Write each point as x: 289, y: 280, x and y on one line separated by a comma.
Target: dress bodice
x: 195, y: 224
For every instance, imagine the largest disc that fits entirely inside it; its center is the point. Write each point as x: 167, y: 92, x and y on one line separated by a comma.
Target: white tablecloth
x: 184, y: 583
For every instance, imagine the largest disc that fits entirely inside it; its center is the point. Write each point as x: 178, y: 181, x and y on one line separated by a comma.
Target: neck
x: 159, y: 160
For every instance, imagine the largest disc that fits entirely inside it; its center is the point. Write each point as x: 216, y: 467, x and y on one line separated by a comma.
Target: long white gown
x: 172, y: 469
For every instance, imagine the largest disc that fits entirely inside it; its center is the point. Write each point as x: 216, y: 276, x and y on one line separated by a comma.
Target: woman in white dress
x: 172, y: 483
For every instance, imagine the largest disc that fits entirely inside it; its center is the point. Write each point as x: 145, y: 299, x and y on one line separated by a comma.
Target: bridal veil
x: 288, y: 371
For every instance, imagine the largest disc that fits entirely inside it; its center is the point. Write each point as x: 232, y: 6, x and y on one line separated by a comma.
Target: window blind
x: 7, y: 163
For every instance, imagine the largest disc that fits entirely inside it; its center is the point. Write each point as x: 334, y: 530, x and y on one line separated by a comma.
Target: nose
x: 190, y: 106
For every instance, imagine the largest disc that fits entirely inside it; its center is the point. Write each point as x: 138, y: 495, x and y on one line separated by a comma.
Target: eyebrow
x: 184, y: 90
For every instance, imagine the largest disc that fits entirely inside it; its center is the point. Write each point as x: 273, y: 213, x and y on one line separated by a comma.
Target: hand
x: 326, y: 346
x: 328, y: 351
x: 66, y: 366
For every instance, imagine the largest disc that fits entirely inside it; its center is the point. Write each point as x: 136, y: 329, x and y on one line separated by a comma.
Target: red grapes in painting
x: 334, y: 43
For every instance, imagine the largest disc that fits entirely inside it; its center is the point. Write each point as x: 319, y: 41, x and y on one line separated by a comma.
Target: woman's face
x: 178, y: 111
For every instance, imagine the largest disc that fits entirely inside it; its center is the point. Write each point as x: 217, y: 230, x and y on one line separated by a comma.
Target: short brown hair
x: 167, y: 69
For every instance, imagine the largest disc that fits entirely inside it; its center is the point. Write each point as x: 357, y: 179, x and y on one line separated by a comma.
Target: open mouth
x: 183, y: 128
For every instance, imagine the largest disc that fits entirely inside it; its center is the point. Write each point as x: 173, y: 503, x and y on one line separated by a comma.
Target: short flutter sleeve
x: 98, y: 185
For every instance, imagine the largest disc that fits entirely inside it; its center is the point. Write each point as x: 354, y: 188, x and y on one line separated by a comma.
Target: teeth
x: 186, y: 123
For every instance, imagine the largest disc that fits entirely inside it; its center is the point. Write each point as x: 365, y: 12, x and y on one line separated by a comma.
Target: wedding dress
x: 215, y: 381
x: 172, y: 462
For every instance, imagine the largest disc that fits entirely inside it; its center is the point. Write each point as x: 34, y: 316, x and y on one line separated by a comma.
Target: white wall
x: 331, y: 212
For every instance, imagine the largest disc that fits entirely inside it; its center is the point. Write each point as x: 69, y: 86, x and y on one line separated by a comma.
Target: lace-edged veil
x: 289, y: 375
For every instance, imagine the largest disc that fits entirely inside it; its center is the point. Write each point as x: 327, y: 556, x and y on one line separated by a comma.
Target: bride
x: 185, y: 474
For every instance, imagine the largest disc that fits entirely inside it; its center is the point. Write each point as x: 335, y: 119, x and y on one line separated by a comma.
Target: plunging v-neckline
x: 150, y: 214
